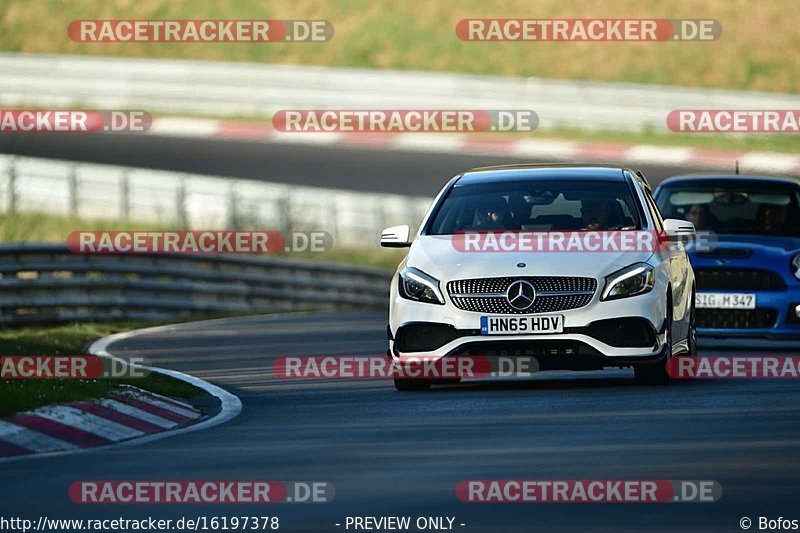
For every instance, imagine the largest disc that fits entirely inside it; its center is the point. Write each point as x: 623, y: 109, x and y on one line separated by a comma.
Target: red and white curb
x: 130, y: 416
x: 477, y: 144
x: 127, y: 414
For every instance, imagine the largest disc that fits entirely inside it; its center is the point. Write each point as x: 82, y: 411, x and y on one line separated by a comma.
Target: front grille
x: 487, y: 295
x: 736, y: 318
x: 738, y: 253
x: 710, y: 279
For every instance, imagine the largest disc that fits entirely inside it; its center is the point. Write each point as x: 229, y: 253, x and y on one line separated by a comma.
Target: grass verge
x: 21, y: 394
x: 758, y: 49
x: 40, y: 227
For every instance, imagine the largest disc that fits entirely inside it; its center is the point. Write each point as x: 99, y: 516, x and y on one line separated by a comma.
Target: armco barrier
x: 192, y: 201
x: 42, y: 283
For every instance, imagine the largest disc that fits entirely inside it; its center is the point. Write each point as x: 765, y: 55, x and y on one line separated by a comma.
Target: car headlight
x: 418, y: 286
x: 631, y: 281
x: 796, y: 266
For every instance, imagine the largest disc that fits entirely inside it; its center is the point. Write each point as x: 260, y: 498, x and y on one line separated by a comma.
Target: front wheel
x: 403, y: 384
x: 692, y: 338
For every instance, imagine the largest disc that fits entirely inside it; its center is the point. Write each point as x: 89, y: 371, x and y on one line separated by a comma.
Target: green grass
x: 41, y: 227
x: 758, y: 49
x: 21, y: 394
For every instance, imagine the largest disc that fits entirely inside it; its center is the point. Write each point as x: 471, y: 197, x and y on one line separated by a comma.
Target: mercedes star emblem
x: 520, y: 295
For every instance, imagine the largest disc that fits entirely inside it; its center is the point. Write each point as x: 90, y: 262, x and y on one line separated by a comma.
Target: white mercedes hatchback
x: 557, y: 267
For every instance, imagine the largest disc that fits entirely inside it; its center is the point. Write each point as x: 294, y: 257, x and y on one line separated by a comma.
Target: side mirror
x: 396, y: 237
x: 674, y: 227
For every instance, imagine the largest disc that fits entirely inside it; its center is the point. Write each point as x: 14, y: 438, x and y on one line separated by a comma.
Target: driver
x: 596, y: 214
x: 699, y: 215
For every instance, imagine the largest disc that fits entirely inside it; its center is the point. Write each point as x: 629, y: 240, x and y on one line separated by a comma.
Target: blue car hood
x: 761, y: 243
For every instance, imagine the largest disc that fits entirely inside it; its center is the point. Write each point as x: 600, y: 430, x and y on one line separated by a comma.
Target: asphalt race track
x: 390, y: 453
x: 410, y: 173
x: 397, y: 454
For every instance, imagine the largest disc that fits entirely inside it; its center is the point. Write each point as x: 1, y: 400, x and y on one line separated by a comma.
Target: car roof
x: 705, y: 179
x: 534, y: 172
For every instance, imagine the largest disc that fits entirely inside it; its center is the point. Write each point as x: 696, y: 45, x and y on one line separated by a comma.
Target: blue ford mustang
x: 747, y: 256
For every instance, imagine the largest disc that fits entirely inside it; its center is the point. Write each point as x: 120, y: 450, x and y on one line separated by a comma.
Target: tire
x: 691, y: 340
x: 656, y: 374
x: 405, y: 385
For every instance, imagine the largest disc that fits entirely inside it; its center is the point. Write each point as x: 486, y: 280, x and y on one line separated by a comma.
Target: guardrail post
x: 12, y: 187
x: 380, y: 222
x: 73, y: 190
x: 125, y: 195
x: 334, y: 222
x: 180, y: 204
x: 285, y: 210
x: 233, y: 208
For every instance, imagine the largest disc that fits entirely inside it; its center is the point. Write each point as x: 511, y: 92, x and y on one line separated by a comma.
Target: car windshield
x: 749, y: 209
x: 537, y: 205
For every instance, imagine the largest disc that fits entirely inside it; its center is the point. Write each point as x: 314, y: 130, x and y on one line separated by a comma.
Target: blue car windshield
x: 749, y: 209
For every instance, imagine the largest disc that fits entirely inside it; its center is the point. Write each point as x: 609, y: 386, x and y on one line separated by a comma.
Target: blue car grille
x: 736, y: 318
x: 740, y: 279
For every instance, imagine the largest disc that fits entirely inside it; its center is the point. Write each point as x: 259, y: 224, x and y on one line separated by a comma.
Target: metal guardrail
x: 42, y: 283
x: 192, y: 201
x: 224, y: 88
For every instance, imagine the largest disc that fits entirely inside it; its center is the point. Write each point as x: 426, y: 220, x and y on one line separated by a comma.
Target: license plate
x: 713, y: 300
x: 504, y: 325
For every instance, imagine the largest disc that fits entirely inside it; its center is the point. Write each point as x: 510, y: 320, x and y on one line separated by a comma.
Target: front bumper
x: 575, y: 348
x: 777, y: 306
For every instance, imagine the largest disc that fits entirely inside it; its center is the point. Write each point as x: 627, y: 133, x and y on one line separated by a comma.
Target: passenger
x: 493, y: 214
x: 772, y: 218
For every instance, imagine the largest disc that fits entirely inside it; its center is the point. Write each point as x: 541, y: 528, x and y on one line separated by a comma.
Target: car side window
x: 658, y: 220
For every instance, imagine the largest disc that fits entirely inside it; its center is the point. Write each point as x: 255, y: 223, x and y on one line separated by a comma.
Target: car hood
x: 437, y: 256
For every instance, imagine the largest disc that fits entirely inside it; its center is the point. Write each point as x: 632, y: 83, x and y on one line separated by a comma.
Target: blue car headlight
x: 796, y: 266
